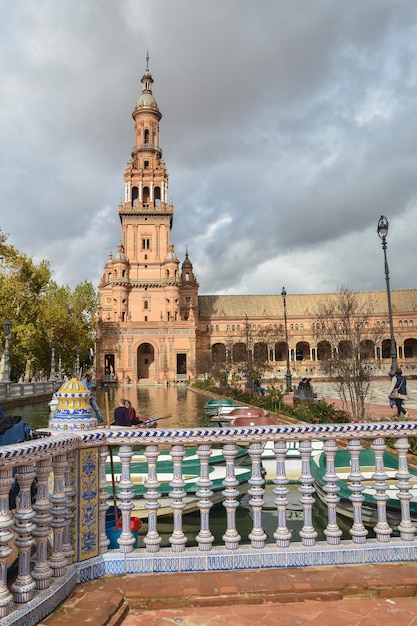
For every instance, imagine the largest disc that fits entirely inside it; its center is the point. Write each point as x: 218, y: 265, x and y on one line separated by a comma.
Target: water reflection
x: 184, y: 406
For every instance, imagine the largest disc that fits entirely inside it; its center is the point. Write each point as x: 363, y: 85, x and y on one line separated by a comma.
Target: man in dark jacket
x: 14, y: 430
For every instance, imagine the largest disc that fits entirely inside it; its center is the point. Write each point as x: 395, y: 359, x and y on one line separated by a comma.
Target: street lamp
x: 382, y: 231
x: 77, y: 363
x: 288, y: 381
x: 6, y: 369
x: 53, y: 345
x: 249, y: 357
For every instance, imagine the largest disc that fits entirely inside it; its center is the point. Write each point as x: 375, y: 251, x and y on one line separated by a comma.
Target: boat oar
x: 113, y: 482
x: 152, y: 421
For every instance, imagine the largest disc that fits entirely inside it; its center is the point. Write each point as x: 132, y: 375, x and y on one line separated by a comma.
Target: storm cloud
x: 288, y: 128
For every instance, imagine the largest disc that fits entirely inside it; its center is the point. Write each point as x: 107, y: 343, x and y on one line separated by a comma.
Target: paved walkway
x: 349, y: 595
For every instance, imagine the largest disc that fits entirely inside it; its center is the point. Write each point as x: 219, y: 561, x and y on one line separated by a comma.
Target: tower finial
x: 147, y: 60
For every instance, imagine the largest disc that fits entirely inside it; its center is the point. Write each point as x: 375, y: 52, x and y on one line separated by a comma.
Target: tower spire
x: 147, y: 60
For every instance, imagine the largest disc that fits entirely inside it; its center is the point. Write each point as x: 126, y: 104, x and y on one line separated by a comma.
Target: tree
x: 346, y: 341
x: 39, y: 309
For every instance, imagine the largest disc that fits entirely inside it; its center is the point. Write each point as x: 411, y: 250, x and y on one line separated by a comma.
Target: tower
x: 145, y: 330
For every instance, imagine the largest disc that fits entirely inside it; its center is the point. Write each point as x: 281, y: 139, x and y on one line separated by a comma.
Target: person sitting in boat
x: 135, y: 420
x: 121, y: 414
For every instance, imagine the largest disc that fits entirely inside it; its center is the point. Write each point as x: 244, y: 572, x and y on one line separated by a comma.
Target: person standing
x: 398, y: 392
x: 88, y: 381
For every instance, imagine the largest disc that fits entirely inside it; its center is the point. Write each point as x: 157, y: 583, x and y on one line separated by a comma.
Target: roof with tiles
x: 302, y: 305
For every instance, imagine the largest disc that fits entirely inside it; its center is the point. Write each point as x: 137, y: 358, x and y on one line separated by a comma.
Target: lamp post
x: 229, y: 345
x: 53, y: 345
x: 382, y: 231
x: 6, y: 369
x: 288, y: 378
x: 249, y: 357
x: 77, y: 363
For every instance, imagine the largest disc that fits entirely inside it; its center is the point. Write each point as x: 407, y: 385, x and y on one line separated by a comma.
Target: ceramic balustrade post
x: 126, y: 540
x: 257, y: 535
x: 231, y: 537
x: 406, y: 528
x: 382, y: 529
x: 152, y: 539
x: 307, y: 533
x: 6, y: 538
x: 68, y: 547
x: 103, y: 500
x: 358, y: 530
x: 177, y: 539
x: 282, y: 534
x: 331, y: 489
x: 24, y: 585
x: 57, y: 561
x: 204, y: 538
x: 42, y: 572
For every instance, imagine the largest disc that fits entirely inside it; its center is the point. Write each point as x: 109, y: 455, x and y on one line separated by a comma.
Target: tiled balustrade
x: 60, y: 538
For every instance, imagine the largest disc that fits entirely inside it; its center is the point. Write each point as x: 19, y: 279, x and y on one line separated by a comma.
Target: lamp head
x: 53, y: 342
x: 382, y: 229
x: 283, y: 293
x: 7, y: 327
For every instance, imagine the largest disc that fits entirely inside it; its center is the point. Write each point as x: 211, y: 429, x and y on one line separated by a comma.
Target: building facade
x: 154, y: 326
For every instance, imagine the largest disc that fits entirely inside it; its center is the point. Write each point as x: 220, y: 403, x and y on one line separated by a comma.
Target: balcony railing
x: 58, y: 531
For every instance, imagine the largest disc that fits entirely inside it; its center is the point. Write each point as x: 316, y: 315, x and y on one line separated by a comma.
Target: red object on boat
x: 135, y: 524
x: 245, y: 411
x: 260, y: 420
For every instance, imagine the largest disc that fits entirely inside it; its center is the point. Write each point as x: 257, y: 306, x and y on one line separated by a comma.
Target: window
x: 146, y: 244
x: 145, y: 304
x: 146, y: 136
x: 146, y: 165
x: 400, y: 323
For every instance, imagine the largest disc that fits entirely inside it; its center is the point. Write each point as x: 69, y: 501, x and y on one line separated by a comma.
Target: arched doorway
x: 145, y: 361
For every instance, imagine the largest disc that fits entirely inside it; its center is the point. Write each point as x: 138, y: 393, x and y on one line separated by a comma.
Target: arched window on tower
x: 146, y: 194
x: 135, y: 196
x: 146, y: 136
x: 187, y: 276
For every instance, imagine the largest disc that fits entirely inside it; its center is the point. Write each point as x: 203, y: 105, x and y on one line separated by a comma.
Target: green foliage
x: 319, y: 413
x: 39, y: 309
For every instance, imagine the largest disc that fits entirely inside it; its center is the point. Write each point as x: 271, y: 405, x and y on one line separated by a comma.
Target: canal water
x: 182, y: 407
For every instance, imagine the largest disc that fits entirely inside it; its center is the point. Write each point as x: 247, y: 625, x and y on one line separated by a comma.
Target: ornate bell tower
x: 141, y: 288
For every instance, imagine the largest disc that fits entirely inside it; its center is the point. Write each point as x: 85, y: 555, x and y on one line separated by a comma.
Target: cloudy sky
x: 289, y: 127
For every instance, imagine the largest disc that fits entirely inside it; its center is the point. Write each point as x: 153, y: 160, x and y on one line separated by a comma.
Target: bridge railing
x: 56, y: 530
x: 9, y: 391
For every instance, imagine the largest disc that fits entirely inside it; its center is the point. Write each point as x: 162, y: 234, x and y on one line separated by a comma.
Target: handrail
x: 78, y: 458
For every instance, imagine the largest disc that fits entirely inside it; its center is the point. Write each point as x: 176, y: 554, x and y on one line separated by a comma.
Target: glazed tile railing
x: 59, y: 534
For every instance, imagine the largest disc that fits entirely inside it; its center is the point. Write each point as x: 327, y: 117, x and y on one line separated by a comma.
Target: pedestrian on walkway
x: 88, y: 381
x: 398, y: 392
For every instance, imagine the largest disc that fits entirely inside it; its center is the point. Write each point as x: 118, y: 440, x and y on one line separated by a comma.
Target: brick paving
x: 351, y: 594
